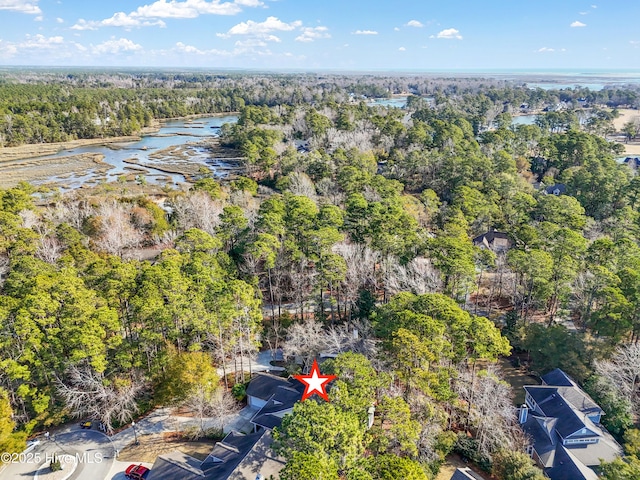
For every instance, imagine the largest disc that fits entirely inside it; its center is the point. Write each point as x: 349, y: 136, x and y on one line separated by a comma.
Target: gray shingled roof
x: 219, y: 465
x: 568, y: 467
x: 558, y: 378
x: 227, y: 454
x: 176, y: 466
x: 282, y: 400
x: 563, y: 410
x: 571, y: 391
x: 465, y: 474
x: 263, y: 385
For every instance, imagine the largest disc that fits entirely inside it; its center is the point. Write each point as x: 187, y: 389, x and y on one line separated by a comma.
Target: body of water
x: 560, y: 86
x: 398, y: 102
x: 524, y: 120
x: 172, y: 133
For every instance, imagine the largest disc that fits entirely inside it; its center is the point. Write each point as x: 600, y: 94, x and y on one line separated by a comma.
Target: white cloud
x: 39, y: 47
x: 119, y: 19
x: 594, y: 6
x: 365, y: 32
x: 251, y: 43
x: 583, y: 13
x: 186, y: 9
x: 396, y: 29
x: 7, y: 49
x: 149, y: 15
x: 114, y: 47
x: 414, y: 23
x: 450, y: 34
x: 22, y: 6
x: 402, y: 49
x: 550, y: 50
x: 182, y: 48
x: 39, y: 18
x: 578, y: 24
x: 249, y: 3
x: 309, y: 34
x: 271, y: 24
x: 41, y: 42
x: 60, y: 20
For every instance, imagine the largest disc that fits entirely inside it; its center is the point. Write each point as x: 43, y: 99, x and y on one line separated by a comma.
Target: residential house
x: 239, y: 456
x: 563, y: 424
x: 465, y: 474
x: 632, y: 162
x: 493, y: 240
x: 262, y: 387
x: 557, y: 189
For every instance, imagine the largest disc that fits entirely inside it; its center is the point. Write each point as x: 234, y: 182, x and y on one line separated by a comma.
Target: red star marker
x: 315, y: 382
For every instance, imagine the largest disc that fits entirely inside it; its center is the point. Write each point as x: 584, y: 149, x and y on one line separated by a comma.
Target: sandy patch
x: 454, y: 461
x: 632, y: 148
x: 34, y: 169
x: 626, y: 115
x: 43, y: 149
x: 158, y: 444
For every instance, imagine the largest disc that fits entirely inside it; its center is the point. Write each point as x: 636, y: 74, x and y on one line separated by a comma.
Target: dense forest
x: 44, y: 107
x: 348, y: 216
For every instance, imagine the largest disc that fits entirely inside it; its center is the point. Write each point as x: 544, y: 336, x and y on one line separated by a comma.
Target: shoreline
x: 35, y: 150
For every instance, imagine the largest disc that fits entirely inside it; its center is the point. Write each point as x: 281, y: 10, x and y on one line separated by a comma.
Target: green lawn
x: 517, y: 378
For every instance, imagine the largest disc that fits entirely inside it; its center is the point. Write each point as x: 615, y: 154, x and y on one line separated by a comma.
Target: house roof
x: 176, y: 466
x: 569, y: 389
x: 281, y: 402
x: 544, y: 444
x: 263, y: 385
x: 554, y: 405
x: 221, y: 462
x: 590, y: 454
x: 465, y: 473
x: 558, y: 378
x: 490, y: 236
x: 564, y: 409
x: 568, y: 467
x: 227, y: 454
x: 260, y: 460
x: 559, y: 187
x: 238, y: 456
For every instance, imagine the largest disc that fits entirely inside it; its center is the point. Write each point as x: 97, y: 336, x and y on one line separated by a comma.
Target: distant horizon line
x: 581, y: 70
x: 614, y: 74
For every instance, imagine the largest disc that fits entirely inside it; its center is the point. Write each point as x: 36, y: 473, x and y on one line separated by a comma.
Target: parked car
x: 136, y: 472
x: 86, y: 424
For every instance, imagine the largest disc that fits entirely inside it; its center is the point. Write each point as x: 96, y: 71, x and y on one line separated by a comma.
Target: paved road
x: 91, y: 445
x: 93, y: 450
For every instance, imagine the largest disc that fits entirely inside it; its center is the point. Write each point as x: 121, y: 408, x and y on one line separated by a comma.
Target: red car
x: 136, y: 472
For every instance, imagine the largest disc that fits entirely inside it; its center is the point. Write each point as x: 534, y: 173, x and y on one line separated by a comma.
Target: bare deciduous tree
x: 89, y: 394
x: 197, y: 210
x: 4, y: 267
x: 29, y: 218
x: 361, y: 264
x: 419, y: 276
x: 492, y: 415
x: 622, y: 371
x: 49, y: 249
x: 116, y: 232
x: 301, y: 184
x: 306, y: 340
x: 355, y: 336
x: 212, y: 406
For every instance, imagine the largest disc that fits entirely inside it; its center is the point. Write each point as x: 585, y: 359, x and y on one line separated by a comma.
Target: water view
x: 145, y: 157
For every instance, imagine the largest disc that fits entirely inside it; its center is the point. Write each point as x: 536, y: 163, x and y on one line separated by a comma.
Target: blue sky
x: 323, y: 34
